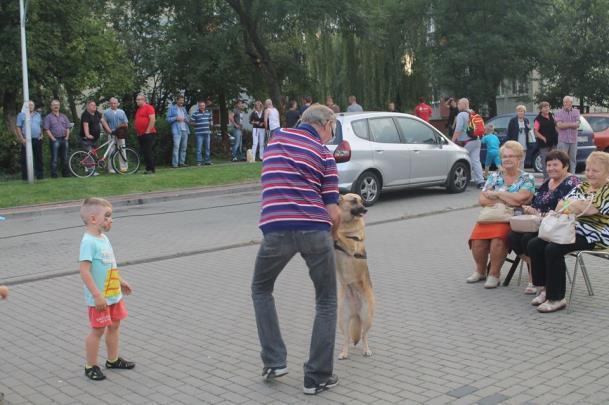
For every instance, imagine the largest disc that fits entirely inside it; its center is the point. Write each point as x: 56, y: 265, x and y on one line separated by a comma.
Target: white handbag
x: 495, y: 213
x: 559, y: 228
x: 525, y: 223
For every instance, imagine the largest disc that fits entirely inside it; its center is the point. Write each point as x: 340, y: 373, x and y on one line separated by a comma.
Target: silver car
x: 378, y: 151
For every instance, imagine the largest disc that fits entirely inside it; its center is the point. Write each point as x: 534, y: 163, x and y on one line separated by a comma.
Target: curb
x: 131, y: 199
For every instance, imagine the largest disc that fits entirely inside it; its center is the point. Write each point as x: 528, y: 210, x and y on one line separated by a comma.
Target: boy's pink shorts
x: 114, y: 312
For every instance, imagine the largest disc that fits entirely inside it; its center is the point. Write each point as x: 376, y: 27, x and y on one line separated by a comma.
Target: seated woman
x: 510, y: 186
x: 554, y: 189
x: 589, y: 200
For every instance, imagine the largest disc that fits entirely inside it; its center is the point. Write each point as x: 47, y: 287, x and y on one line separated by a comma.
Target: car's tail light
x: 343, y: 152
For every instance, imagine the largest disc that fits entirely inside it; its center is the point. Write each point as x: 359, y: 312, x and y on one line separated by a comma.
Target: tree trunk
x: 72, y: 106
x: 492, y: 106
x: 225, y: 145
x: 257, y: 51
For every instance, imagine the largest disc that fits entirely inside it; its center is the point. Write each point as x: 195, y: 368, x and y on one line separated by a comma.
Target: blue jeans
x: 180, y: 143
x: 59, y: 151
x: 236, y: 149
x: 277, y: 249
x: 203, y: 139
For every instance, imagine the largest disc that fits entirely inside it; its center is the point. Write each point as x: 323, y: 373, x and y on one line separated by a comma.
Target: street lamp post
x: 26, y: 98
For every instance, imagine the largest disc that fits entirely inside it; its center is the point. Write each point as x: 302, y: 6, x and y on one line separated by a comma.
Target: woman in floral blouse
x: 554, y: 189
x: 510, y: 186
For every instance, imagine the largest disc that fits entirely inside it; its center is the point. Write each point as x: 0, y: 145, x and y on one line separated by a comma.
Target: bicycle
x: 124, y: 160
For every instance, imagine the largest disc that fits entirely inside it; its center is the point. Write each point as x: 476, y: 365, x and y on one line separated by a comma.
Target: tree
x: 577, y: 63
x: 479, y: 43
x: 70, y: 52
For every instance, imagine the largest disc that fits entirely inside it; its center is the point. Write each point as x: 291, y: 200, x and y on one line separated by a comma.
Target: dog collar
x: 356, y: 255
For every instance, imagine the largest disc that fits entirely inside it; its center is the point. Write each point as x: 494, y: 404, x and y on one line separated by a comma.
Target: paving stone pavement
x: 435, y: 339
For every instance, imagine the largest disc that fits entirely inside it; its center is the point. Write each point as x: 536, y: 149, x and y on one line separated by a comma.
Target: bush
x: 10, y: 151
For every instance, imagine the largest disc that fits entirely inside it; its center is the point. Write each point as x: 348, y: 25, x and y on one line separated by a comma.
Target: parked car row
x: 600, y: 125
x: 585, y: 141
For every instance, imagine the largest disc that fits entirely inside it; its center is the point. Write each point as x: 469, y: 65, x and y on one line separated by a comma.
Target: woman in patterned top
x: 510, y: 186
x: 554, y: 189
x: 590, y: 201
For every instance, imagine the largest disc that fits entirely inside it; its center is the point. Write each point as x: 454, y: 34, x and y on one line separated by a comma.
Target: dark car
x: 585, y: 141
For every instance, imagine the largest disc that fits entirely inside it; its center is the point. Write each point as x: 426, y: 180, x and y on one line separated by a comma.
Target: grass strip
x: 17, y: 193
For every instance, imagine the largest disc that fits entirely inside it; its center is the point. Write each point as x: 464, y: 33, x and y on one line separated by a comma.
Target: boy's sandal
x: 95, y: 373
x: 120, y: 363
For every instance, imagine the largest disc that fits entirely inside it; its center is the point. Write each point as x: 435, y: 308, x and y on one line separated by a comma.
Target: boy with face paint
x: 104, y: 287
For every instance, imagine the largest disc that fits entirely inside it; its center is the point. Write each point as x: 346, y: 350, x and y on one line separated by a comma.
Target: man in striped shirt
x: 299, y: 210
x: 202, y: 120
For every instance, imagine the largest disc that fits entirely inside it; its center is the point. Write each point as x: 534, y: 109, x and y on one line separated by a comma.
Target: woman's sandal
x: 95, y: 373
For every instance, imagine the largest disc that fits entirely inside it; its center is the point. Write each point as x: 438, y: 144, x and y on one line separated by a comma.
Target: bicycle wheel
x: 82, y: 164
x: 125, y: 161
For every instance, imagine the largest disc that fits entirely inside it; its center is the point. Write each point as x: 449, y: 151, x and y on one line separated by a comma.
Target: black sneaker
x: 95, y: 373
x: 269, y: 373
x: 120, y: 363
x: 311, y: 388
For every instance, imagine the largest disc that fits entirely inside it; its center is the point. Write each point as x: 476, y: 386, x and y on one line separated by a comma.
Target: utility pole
x: 26, y: 98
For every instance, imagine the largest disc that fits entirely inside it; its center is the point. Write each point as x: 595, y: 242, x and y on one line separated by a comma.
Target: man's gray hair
x: 141, y: 95
x: 55, y: 101
x: 464, y: 101
x: 318, y: 114
x: 567, y: 98
x: 113, y: 98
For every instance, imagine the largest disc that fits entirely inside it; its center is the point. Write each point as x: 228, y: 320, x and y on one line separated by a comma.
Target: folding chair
x: 579, y: 262
x: 515, y: 262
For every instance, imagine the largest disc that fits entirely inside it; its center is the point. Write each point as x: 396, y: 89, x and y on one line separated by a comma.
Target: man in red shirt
x: 145, y: 118
x: 422, y: 110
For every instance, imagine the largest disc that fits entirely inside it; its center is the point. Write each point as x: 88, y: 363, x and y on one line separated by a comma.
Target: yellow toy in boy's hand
x: 3, y: 292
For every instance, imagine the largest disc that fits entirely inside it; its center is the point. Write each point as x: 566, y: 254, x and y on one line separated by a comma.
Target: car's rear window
x: 383, y: 130
x: 598, y: 124
x: 360, y: 129
x: 584, y: 126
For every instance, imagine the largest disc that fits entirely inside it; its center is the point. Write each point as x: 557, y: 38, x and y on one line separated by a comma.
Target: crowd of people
x: 549, y: 131
x: 264, y: 120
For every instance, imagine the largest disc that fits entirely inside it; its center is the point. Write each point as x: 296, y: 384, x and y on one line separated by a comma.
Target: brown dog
x: 355, y: 297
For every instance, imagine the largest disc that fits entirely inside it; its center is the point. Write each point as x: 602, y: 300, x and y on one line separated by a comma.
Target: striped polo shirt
x: 299, y: 179
x: 202, y: 122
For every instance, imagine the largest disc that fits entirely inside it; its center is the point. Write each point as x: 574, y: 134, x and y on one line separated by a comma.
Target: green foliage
x: 479, y: 43
x: 577, y: 63
x: 9, y: 152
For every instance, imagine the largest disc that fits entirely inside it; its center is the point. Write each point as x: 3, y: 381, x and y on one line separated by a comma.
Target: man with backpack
x: 467, y: 128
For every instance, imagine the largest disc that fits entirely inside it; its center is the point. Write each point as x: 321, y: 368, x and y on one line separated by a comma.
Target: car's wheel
x: 537, y: 163
x: 368, y: 186
x: 458, y: 178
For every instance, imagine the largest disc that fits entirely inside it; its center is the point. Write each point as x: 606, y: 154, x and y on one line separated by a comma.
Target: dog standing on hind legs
x: 355, y: 296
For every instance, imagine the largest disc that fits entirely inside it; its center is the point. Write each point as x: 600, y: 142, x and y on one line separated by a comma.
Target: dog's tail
x: 355, y: 329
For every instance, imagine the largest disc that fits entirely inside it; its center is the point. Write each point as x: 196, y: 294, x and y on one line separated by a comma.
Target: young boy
x: 103, y: 287
x: 491, y: 140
